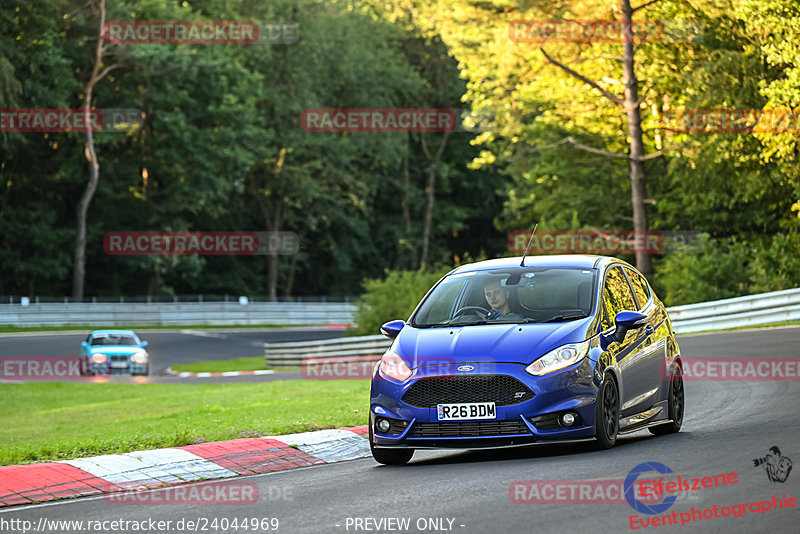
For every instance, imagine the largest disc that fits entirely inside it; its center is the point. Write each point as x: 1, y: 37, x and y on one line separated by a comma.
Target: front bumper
x: 573, y: 389
x: 117, y: 366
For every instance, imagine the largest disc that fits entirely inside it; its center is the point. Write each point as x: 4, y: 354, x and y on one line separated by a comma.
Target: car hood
x: 491, y: 343
x: 115, y: 349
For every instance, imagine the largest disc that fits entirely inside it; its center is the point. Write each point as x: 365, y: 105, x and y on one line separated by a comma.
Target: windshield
x: 516, y: 295
x: 114, y: 339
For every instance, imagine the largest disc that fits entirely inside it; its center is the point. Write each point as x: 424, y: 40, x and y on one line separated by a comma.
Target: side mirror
x: 143, y: 344
x: 628, y: 320
x: 84, y: 344
x: 392, y: 328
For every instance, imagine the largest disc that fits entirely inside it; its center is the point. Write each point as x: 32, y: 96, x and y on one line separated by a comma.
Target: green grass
x: 239, y: 364
x: 255, y: 363
x: 141, y: 327
x: 62, y: 420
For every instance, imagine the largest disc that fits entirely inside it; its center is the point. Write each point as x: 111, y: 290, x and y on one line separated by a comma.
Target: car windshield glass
x: 114, y: 339
x: 511, y: 295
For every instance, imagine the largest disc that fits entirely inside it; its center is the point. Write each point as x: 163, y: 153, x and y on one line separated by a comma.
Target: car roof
x: 578, y: 261
x: 115, y: 332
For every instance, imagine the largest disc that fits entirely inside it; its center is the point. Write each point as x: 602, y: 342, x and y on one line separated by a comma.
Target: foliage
x: 393, y: 297
x: 221, y: 147
x: 730, y: 267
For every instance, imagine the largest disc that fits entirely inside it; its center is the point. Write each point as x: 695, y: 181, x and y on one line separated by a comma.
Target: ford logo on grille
x: 466, y: 368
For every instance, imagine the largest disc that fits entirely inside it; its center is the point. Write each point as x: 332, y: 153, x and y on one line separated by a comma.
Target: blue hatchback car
x: 521, y: 351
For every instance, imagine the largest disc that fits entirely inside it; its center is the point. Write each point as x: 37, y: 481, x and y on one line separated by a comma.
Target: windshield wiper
x: 561, y: 318
x: 464, y: 323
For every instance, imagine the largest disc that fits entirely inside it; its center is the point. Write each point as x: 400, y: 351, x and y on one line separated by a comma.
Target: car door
x: 637, y: 389
x: 654, y: 347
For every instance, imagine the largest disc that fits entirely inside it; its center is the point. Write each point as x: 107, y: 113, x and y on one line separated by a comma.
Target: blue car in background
x: 521, y: 351
x: 115, y: 352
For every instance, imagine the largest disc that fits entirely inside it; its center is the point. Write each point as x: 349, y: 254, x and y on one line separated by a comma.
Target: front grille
x: 119, y: 357
x: 458, y: 429
x: 503, y: 390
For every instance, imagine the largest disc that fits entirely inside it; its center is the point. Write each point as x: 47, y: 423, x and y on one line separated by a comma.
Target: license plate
x: 119, y: 364
x: 471, y: 410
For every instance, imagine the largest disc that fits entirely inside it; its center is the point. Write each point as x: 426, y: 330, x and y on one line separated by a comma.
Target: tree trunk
x: 287, y: 292
x: 154, y: 283
x: 272, y: 277
x: 404, y: 198
x: 273, y: 220
x: 629, y: 102
x: 430, y: 198
x: 79, y: 269
x: 430, y: 194
x: 637, y: 175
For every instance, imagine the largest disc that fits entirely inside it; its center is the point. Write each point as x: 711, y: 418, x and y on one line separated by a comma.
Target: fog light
x: 383, y: 425
x: 567, y: 419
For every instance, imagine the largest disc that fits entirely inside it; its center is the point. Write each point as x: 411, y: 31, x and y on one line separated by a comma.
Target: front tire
x: 676, y: 406
x: 606, y: 422
x: 389, y: 456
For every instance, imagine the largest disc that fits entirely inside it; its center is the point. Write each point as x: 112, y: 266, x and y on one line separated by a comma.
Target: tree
x: 79, y: 266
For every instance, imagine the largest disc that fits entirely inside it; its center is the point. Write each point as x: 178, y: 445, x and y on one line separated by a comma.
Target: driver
x: 497, y: 297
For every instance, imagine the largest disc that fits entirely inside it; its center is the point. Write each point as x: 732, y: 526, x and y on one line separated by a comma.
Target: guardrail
x: 752, y: 310
x: 103, y: 314
x: 345, y: 349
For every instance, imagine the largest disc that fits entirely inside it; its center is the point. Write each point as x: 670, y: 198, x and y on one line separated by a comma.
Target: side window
x: 617, y: 296
x: 639, y: 287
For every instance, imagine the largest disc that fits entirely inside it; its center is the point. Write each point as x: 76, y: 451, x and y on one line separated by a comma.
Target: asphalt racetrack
x: 727, y: 426
x: 168, y: 347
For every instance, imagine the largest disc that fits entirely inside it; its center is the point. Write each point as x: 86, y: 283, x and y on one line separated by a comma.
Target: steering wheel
x: 460, y: 312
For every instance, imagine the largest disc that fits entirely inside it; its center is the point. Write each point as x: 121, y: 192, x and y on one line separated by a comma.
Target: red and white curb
x: 189, y: 374
x: 24, y: 484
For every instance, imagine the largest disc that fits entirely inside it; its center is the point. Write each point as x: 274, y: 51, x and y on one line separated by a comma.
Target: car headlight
x: 393, y: 366
x: 559, y: 358
x: 99, y: 357
x: 139, y: 357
